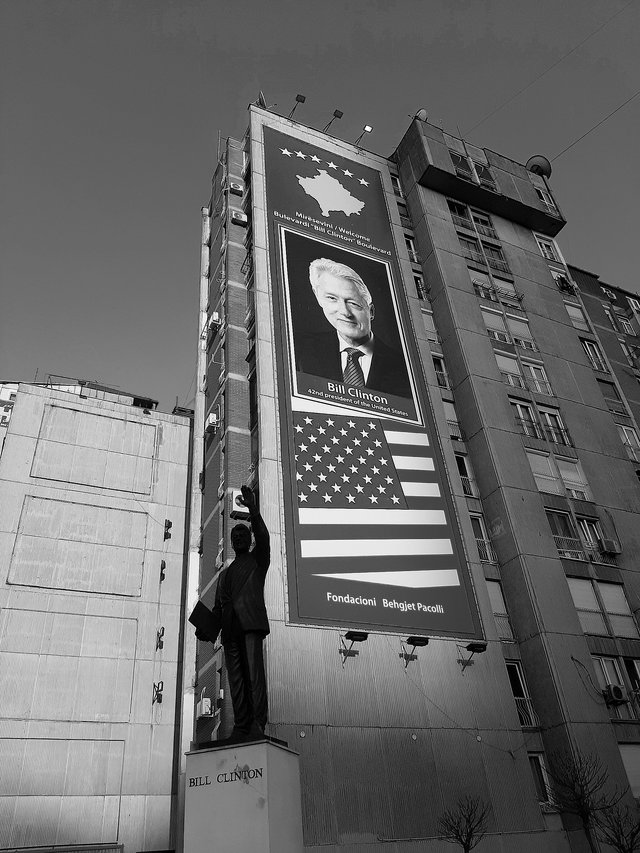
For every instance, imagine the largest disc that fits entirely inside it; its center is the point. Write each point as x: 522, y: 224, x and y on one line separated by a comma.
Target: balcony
x: 472, y: 255
x: 632, y: 452
x: 526, y: 713
x: 540, y: 386
x: 597, y: 364
x: 468, y: 486
x: 486, y: 230
x: 462, y: 221
x: 455, y: 431
x: 503, y: 626
x: 596, y: 555
x: 529, y: 428
x: 485, y: 549
x: 570, y: 548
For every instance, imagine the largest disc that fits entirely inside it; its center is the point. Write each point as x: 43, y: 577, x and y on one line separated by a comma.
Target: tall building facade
x: 504, y: 499
x: 94, y: 485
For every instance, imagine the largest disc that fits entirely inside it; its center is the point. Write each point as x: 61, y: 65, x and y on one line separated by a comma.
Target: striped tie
x: 353, y: 374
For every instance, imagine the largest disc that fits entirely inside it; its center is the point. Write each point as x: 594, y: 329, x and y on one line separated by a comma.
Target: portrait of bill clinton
x: 343, y: 344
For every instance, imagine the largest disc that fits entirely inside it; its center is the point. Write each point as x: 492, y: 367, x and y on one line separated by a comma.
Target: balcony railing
x: 541, y: 386
x: 468, y: 486
x: 632, y: 452
x: 526, y: 713
x: 485, y: 549
x: 442, y: 379
x: 462, y: 221
x: 597, y: 556
x: 472, y: 255
x: 569, y: 547
x: 513, y: 379
x: 455, y: 431
x: 557, y: 435
x: 501, y: 266
x: 529, y: 428
x: 487, y: 230
x: 598, y: 364
x: 465, y: 174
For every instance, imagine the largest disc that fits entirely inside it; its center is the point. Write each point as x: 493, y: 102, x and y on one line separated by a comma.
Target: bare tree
x: 466, y: 823
x: 619, y: 827
x: 579, y: 788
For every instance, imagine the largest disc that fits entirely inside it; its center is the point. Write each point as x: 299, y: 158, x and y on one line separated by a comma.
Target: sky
x: 110, y: 113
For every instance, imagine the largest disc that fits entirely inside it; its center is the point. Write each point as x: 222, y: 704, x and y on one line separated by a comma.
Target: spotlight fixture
x: 351, y: 637
x: 300, y: 99
x: 366, y: 129
x: 415, y: 643
x: 336, y: 114
x: 477, y: 647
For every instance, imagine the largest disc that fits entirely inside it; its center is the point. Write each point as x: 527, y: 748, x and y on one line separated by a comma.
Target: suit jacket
x: 319, y: 355
x: 240, y: 591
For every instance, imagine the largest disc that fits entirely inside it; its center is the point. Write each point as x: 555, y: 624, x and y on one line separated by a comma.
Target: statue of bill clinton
x: 239, y: 613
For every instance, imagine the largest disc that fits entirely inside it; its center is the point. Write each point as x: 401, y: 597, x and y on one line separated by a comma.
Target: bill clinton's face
x: 345, y: 308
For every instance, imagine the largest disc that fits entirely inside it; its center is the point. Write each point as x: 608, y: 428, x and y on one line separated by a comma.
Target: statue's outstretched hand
x: 248, y: 498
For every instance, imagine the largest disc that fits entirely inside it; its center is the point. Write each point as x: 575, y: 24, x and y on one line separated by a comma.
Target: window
x: 510, y: 370
x: 468, y: 485
x: 610, y: 318
x: 603, y: 609
x: 441, y: 374
x: 577, y: 316
x: 411, y: 249
x: 506, y: 292
x: 594, y: 355
x: 471, y: 249
x: 612, y: 397
x: 536, y: 378
x: 631, y: 442
x: 627, y: 326
x: 544, y: 473
x: 548, y: 249
x: 526, y: 419
x: 421, y: 288
x: 574, y: 479
x: 547, y: 200
x: 495, y: 257
x: 564, y: 535
x: 485, y: 549
x: 427, y: 318
x: 395, y: 183
x: 483, y: 285
x: 553, y: 428
x: 496, y: 326
x: 630, y: 754
x: 455, y: 430
x: 634, y: 303
x: 483, y: 224
x: 461, y: 165
x: 403, y: 211
x: 485, y: 177
x: 521, y: 333
x: 460, y: 214
x: 540, y: 778
x: 499, y: 609
x: 527, y: 716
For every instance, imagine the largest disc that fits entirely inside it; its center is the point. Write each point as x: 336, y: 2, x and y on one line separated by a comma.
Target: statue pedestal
x: 243, y: 797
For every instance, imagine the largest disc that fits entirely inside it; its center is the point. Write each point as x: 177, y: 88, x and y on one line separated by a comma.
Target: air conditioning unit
x: 203, y: 708
x: 238, y: 510
x: 211, y: 424
x: 614, y: 694
x: 236, y: 188
x: 239, y: 218
x: 609, y: 546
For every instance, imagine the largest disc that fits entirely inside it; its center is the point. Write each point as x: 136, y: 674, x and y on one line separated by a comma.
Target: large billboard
x: 371, y: 535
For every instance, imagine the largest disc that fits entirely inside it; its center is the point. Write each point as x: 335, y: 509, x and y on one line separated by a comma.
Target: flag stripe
x: 413, y: 580
x: 371, y: 516
x: 414, y: 438
x: 414, y: 463
x: 372, y: 532
x: 427, y: 490
x: 379, y: 547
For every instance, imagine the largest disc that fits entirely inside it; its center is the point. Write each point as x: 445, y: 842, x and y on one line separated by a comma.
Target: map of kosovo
x: 330, y: 194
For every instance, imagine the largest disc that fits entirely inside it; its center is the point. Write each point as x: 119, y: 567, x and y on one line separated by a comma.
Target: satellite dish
x: 539, y: 165
x: 421, y: 115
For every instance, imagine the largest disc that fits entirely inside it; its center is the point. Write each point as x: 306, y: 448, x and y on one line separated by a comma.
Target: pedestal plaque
x: 244, y: 797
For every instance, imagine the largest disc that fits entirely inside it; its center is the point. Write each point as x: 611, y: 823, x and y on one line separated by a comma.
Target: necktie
x: 353, y: 374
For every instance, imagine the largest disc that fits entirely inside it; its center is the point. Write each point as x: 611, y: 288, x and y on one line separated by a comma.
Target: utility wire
x: 550, y: 68
x: 602, y: 121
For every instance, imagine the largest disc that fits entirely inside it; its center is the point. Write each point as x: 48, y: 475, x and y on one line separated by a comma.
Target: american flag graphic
x: 369, y: 503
